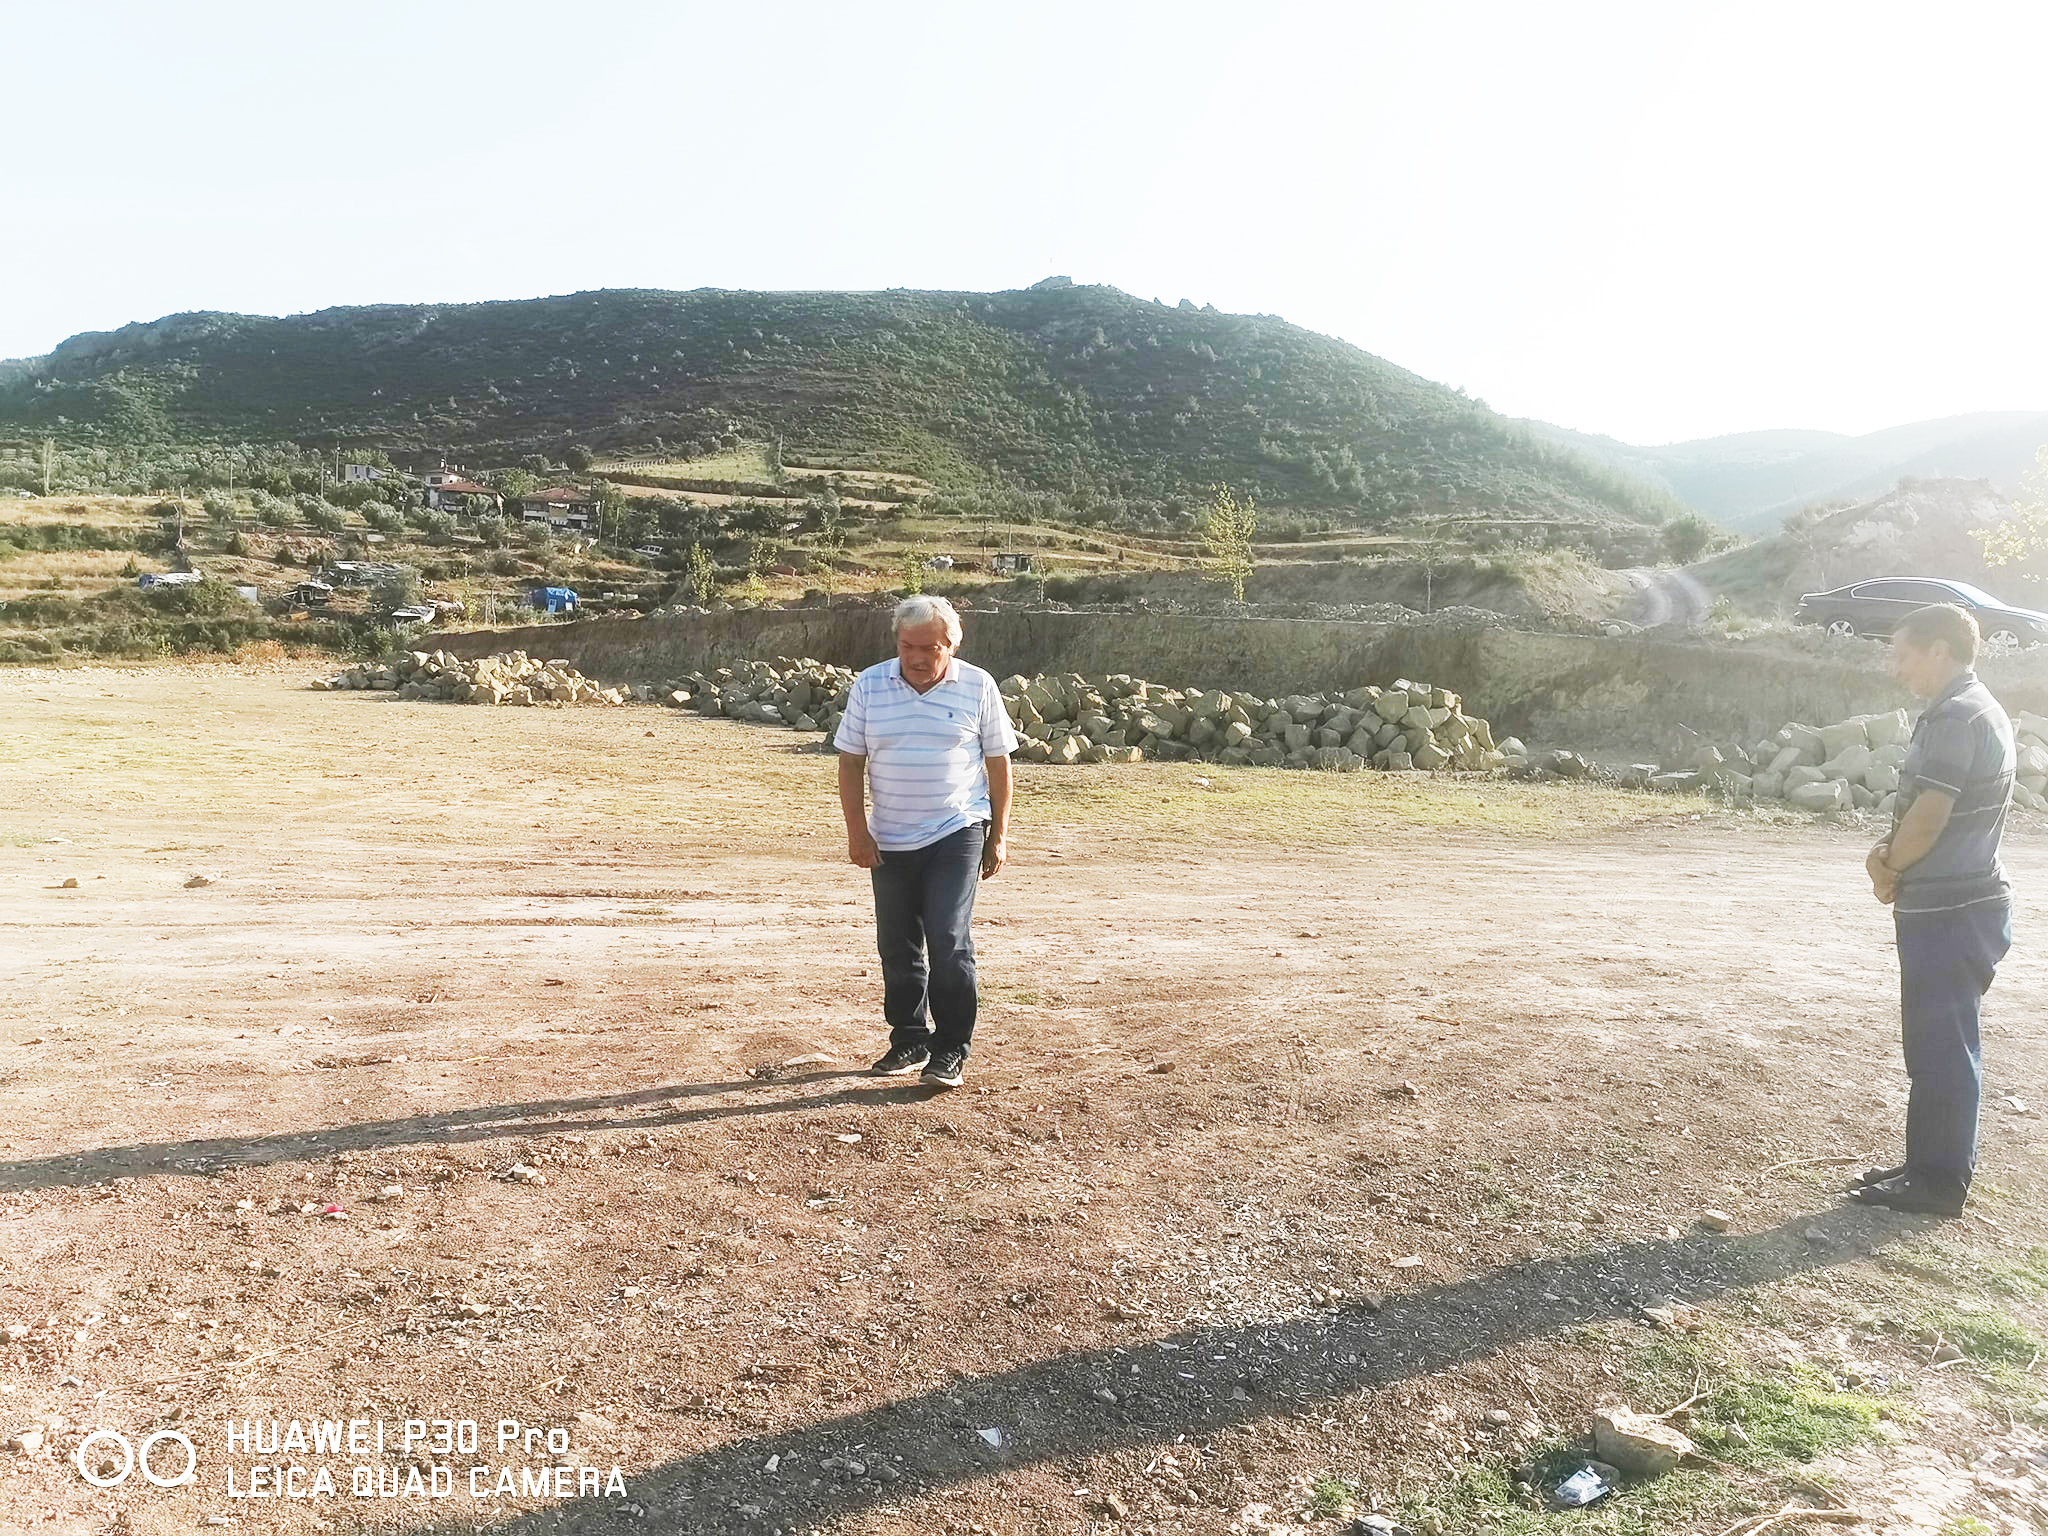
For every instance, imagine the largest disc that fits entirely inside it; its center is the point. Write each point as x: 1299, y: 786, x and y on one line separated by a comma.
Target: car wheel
x: 1841, y: 627
x: 2002, y: 640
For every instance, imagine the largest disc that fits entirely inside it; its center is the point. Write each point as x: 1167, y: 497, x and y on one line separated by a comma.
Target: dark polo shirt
x: 1962, y: 746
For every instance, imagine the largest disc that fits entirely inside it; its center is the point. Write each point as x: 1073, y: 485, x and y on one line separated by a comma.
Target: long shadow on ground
x: 1194, y: 1384
x: 635, y: 1109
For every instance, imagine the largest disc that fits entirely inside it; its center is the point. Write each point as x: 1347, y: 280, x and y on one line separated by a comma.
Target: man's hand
x: 861, y: 849
x: 995, y: 853
x: 1884, y: 880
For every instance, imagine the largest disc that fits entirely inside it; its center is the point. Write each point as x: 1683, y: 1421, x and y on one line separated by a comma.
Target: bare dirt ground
x: 1325, y: 1138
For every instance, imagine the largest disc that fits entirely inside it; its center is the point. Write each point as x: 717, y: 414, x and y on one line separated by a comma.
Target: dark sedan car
x: 1875, y: 608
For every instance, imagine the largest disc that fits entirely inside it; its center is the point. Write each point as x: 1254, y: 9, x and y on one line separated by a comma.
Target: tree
x: 578, y: 457
x: 401, y: 589
x: 515, y: 482
x: 1432, y: 551
x: 775, y: 471
x: 700, y: 576
x: 916, y: 562
x: 1686, y: 537
x: 2020, y: 538
x: 1227, y: 528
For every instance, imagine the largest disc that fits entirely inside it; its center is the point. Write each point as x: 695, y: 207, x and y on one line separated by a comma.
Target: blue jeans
x: 924, y: 910
x: 1946, y: 960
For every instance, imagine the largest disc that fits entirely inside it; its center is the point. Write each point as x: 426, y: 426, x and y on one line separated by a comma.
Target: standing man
x: 929, y: 738
x: 1939, y: 871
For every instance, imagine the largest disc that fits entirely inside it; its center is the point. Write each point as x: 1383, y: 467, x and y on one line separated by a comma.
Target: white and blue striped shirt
x: 926, y: 752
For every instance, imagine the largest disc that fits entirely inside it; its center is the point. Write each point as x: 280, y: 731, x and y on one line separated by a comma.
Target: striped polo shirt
x: 1962, y: 746
x: 926, y: 752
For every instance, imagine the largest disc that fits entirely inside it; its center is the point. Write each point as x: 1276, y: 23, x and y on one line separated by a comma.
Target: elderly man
x: 927, y: 737
x: 1938, y: 869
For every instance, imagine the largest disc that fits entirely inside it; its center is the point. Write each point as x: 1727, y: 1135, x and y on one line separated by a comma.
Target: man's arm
x: 995, y: 853
x: 1911, y: 841
x: 1919, y: 829
x: 853, y: 805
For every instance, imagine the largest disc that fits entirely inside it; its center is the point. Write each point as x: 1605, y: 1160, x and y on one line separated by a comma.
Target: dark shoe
x: 1918, y: 1197
x: 1876, y: 1176
x: 901, y: 1061
x: 948, y: 1069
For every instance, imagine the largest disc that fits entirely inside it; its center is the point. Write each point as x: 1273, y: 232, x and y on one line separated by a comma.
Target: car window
x: 1896, y: 590
x: 1976, y: 595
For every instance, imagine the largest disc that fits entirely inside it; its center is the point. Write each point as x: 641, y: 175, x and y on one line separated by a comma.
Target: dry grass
x: 749, y: 461
x: 106, y: 511
x: 73, y: 568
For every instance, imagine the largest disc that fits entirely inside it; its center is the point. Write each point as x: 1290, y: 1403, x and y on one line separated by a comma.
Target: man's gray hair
x: 913, y: 611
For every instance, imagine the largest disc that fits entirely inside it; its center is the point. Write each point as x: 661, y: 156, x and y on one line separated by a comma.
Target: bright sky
x: 1656, y: 221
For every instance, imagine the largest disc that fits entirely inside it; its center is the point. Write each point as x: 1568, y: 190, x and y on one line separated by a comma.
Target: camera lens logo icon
x: 132, y: 1458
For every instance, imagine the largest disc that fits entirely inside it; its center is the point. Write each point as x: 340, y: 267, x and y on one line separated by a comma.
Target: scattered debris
x: 1583, y: 1487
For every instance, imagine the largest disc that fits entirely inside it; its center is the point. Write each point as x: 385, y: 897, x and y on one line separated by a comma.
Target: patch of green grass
x: 1327, y: 1498
x: 1757, y: 1418
x: 2024, y: 1279
x: 1485, y: 1501
x: 1966, y: 1525
x: 1796, y: 1415
x: 1784, y: 1417
x: 1988, y: 1337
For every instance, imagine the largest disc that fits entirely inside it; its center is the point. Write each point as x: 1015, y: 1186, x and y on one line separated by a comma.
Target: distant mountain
x: 1084, y: 393
x: 1748, y: 481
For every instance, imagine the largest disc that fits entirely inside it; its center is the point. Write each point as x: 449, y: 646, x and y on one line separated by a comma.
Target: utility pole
x: 49, y: 454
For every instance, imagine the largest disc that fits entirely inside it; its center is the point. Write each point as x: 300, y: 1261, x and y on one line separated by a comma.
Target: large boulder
x: 1832, y: 795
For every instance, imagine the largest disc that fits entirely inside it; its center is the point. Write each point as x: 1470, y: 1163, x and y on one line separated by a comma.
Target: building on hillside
x: 1010, y: 565
x: 351, y: 473
x: 447, y: 491
x: 561, y: 507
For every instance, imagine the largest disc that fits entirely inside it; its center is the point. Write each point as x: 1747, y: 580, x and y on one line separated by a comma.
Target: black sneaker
x: 1918, y: 1197
x: 1876, y: 1176
x: 948, y: 1069
x: 901, y: 1061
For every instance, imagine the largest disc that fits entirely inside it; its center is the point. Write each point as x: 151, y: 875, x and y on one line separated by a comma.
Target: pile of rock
x: 1076, y: 719
x: 803, y: 694
x: 510, y: 677
x: 1852, y: 765
x: 1059, y: 719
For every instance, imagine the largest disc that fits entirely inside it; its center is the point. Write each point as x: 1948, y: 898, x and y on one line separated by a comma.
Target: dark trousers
x: 1946, y: 960
x: 924, y: 912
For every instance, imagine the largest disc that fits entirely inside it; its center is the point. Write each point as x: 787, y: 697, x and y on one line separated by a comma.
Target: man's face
x: 924, y: 651
x: 1921, y: 669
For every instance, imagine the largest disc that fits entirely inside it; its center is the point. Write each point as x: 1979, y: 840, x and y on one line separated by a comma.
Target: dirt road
x: 1312, y: 1119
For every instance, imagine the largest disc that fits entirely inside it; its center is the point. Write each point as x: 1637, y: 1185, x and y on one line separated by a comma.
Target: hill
x: 1922, y: 528
x: 1749, y: 481
x: 1114, y: 405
